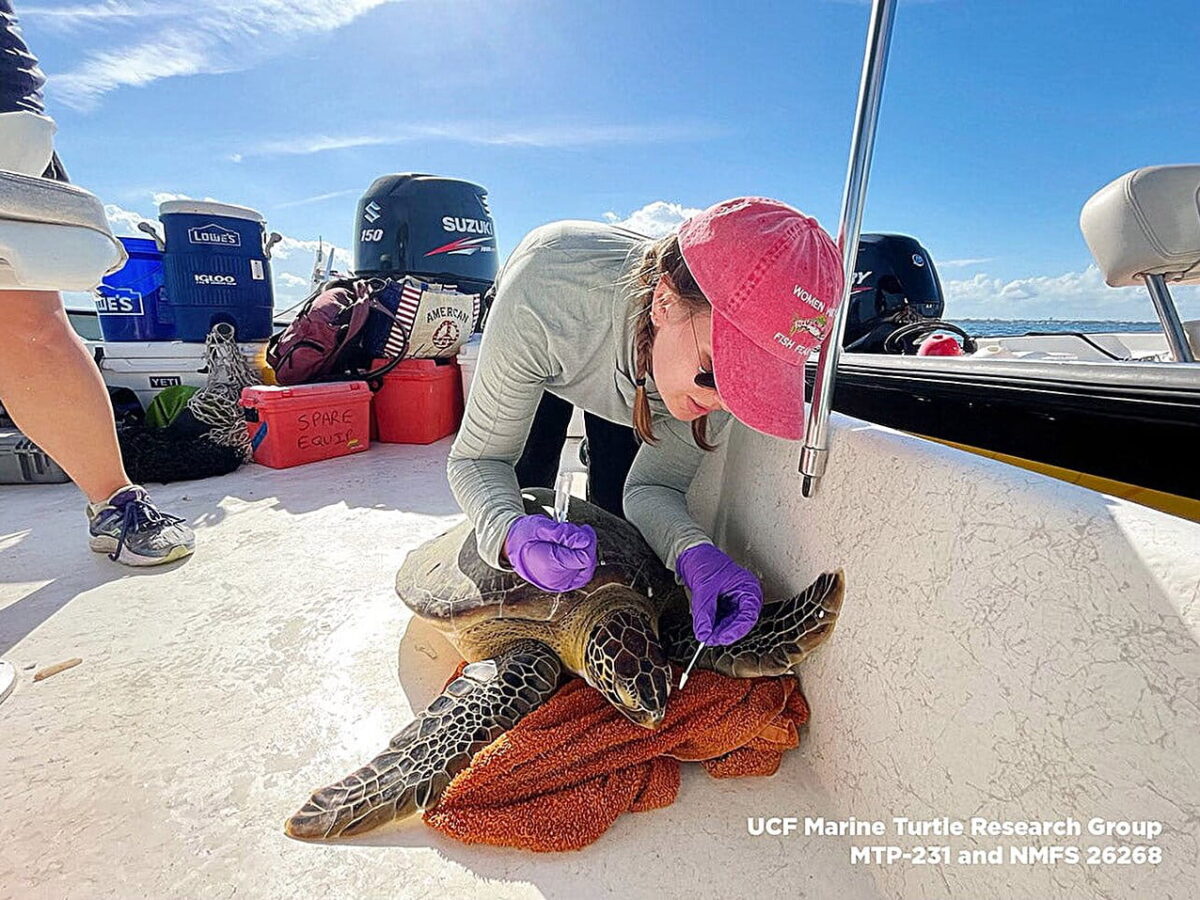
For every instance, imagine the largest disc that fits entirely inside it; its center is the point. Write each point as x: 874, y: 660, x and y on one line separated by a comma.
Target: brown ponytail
x: 662, y: 259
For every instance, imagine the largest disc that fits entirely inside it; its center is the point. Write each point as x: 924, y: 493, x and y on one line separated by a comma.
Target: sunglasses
x: 704, y: 378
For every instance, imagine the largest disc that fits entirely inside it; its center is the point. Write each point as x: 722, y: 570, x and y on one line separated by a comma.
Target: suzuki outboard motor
x: 437, y: 229
x: 895, y: 285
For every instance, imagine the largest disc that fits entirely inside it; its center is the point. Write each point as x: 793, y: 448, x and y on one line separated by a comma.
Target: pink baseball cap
x: 774, y: 279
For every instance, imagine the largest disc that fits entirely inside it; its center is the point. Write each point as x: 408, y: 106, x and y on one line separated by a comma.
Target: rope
x: 218, y: 403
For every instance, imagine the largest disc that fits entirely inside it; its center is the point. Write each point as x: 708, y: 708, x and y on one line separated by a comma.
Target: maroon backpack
x: 324, y: 341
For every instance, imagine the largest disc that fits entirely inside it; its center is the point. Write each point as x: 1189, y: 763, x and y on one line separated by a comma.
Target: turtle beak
x: 654, y: 719
x: 647, y: 718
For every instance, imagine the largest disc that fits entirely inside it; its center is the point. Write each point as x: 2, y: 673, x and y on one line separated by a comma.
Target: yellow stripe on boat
x: 1184, y: 507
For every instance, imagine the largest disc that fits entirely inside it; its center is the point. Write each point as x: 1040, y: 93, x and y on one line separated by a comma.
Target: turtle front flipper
x: 477, y: 707
x: 786, y: 632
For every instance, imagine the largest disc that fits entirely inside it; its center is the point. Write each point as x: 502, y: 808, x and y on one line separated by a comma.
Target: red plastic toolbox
x: 420, y: 402
x: 290, y: 426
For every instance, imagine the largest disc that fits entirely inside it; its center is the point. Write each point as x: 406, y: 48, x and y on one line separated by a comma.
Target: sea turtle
x: 618, y: 632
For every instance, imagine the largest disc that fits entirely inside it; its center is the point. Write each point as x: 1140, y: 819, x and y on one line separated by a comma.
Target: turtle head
x: 624, y: 660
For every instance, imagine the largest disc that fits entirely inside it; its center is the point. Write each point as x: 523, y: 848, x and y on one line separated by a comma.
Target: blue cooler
x: 131, y: 302
x: 216, y: 269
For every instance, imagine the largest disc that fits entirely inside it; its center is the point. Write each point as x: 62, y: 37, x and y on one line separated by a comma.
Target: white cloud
x: 655, y: 219
x: 144, y: 42
x: 314, y: 143
x: 490, y: 134
x: 962, y: 263
x: 1072, y: 295
x: 319, y: 198
x: 161, y: 197
x: 125, y: 221
x: 78, y: 17
x: 290, y: 248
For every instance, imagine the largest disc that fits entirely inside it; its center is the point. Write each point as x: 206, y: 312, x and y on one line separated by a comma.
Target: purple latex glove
x: 556, y: 556
x: 725, y: 598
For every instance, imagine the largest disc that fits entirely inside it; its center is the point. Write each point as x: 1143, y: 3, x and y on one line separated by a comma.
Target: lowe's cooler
x: 217, y: 269
x: 131, y: 302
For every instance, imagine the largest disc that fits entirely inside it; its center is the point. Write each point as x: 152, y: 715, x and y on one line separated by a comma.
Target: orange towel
x: 561, y: 777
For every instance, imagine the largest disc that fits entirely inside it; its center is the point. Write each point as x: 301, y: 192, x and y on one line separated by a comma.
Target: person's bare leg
x: 55, y: 394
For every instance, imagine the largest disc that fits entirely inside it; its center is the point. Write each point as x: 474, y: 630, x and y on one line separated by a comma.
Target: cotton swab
x: 562, y: 497
x: 683, y: 678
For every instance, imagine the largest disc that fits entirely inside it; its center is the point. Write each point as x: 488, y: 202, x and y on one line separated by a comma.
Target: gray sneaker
x: 132, y: 530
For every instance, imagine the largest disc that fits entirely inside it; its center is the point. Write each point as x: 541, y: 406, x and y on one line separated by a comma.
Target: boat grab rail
x: 815, y: 452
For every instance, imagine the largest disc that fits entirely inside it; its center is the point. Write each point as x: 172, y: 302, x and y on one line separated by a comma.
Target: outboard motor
x: 436, y: 229
x: 895, y: 298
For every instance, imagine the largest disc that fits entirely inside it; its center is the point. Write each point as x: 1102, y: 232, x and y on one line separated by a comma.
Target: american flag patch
x: 406, y: 315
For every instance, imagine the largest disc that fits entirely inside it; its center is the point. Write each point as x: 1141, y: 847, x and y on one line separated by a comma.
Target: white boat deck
x: 216, y: 693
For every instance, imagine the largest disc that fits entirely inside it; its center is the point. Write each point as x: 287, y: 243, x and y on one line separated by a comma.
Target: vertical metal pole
x: 1177, y: 338
x: 879, y: 37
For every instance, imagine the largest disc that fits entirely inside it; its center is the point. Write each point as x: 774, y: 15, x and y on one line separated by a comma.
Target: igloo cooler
x: 216, y: 269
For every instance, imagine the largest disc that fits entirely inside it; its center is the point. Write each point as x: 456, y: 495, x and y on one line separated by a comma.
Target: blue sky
x: 999, y: 119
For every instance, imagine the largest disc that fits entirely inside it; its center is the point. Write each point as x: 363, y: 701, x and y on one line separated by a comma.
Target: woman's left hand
x: 556, y: 556
x: 725, y: 598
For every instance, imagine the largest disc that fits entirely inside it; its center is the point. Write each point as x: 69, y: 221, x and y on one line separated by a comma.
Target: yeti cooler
x: 216, y: 269
x: 438, y: 229
x: 151, y: 367
x: 290, y: 426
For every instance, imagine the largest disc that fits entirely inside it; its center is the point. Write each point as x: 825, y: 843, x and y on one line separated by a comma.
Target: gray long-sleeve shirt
x: 562, y: 322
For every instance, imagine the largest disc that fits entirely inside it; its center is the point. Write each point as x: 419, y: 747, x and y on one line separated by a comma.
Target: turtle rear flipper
x: 477, y: 707
x: 786, y: 631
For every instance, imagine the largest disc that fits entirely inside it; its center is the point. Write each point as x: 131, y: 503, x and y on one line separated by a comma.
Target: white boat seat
x: 54, y: 236
x: 1147, y: 222
x: 26, y: 141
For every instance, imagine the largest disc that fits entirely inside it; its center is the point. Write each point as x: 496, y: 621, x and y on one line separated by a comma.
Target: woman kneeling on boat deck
x: 673, y: 334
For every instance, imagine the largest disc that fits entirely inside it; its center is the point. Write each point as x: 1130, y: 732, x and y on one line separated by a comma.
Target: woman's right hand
x: 555, y: 556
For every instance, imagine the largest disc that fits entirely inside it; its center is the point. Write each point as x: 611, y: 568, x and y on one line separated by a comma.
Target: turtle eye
x: 706, y: 379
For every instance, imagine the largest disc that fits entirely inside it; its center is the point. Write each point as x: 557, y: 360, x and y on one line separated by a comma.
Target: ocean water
x: 1011, y: 327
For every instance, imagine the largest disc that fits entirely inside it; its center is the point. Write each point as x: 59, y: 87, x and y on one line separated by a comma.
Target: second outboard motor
x: 436, y: 229
x: 895, y: 285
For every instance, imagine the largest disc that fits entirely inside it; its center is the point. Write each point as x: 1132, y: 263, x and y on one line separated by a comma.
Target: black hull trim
x: 1146, y: 436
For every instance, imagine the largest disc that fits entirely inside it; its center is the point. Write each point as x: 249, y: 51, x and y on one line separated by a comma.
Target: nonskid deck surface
x: 216, y: 693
